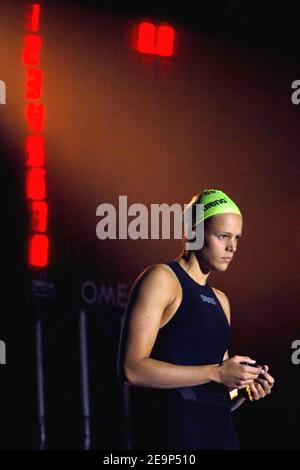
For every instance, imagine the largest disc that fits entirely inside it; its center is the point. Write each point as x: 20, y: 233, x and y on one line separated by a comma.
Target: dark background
x: 216, y: 114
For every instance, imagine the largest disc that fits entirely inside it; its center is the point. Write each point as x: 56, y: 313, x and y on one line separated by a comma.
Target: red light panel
x: 33, y: 84
x: 146, y: 38
x: 39, y: 211
x: 38, y: 251
x: 33, y: 17
x: 35, y: 117
x: 32, y: 49
x: 165, y: 41
x: 35, y: 150
x: 35, y: 184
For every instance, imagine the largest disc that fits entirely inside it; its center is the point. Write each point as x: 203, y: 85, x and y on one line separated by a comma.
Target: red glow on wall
x: 38, y: 251
x: 36, y: 184
x: 39, y: 213
x: 32, y: 49
x: 33, y: 84
x: 35, y: 150
x: 165, y: 41
x: 154, y: 39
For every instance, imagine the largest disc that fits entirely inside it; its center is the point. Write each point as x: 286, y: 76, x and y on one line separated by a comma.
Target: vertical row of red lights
x: 152, y: 39
x: 36, y: 188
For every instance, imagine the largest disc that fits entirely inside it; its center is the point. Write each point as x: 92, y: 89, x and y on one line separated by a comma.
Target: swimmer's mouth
x: 227, y: 258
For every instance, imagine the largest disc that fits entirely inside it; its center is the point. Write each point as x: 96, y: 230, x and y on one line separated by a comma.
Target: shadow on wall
x: 18, y: 407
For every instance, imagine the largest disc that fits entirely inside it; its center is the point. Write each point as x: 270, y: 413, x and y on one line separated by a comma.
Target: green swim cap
x: 215, y: 202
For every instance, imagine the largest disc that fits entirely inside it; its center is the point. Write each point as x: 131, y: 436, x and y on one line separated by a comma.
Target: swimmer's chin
x: 220, y: 267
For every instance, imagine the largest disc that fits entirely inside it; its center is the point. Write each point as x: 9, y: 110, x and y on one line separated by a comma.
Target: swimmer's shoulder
x: 160, y: 276
x: 161, y: 272
x: 224, y: 301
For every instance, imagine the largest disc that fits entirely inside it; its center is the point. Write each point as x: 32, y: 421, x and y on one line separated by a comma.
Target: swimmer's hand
x: 262, y: 386
x: 232, y: 373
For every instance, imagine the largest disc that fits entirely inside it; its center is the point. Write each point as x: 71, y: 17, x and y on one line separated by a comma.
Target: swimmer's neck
x: 190, y: 263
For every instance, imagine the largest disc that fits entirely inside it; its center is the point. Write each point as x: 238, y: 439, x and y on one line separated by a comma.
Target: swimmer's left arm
x: 236, y: 402
x: 260, y: 387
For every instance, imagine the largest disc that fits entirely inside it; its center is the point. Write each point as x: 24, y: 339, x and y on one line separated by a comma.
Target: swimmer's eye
x: 225, y: 235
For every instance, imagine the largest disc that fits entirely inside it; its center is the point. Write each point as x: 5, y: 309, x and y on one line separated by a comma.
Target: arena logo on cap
x: 138, y: 228
x: 215, y: 203
x: 2, y: 92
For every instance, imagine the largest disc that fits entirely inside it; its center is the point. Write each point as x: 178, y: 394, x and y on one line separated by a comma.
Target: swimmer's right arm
x: 152, y: 293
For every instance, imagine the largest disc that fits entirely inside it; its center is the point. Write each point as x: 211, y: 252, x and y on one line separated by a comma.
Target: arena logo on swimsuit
x: 210, y: 300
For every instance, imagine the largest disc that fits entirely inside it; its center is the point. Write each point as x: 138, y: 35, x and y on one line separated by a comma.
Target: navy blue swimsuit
x: 197, y: 417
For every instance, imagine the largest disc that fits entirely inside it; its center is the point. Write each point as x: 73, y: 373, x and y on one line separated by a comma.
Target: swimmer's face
x: 221, y: 236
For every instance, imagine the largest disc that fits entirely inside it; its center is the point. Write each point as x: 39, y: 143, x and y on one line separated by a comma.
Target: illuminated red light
x: 146, y: 38
x: 33, y: 17
x: 35, y: 150
x: 39, y: 212
x: 165, y: 41
x: 38, y: 251
x: 35, y: 116
x: 155, y: 39
x: 32, y: 49
x: 33, y: 84
x: 35, y: 184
